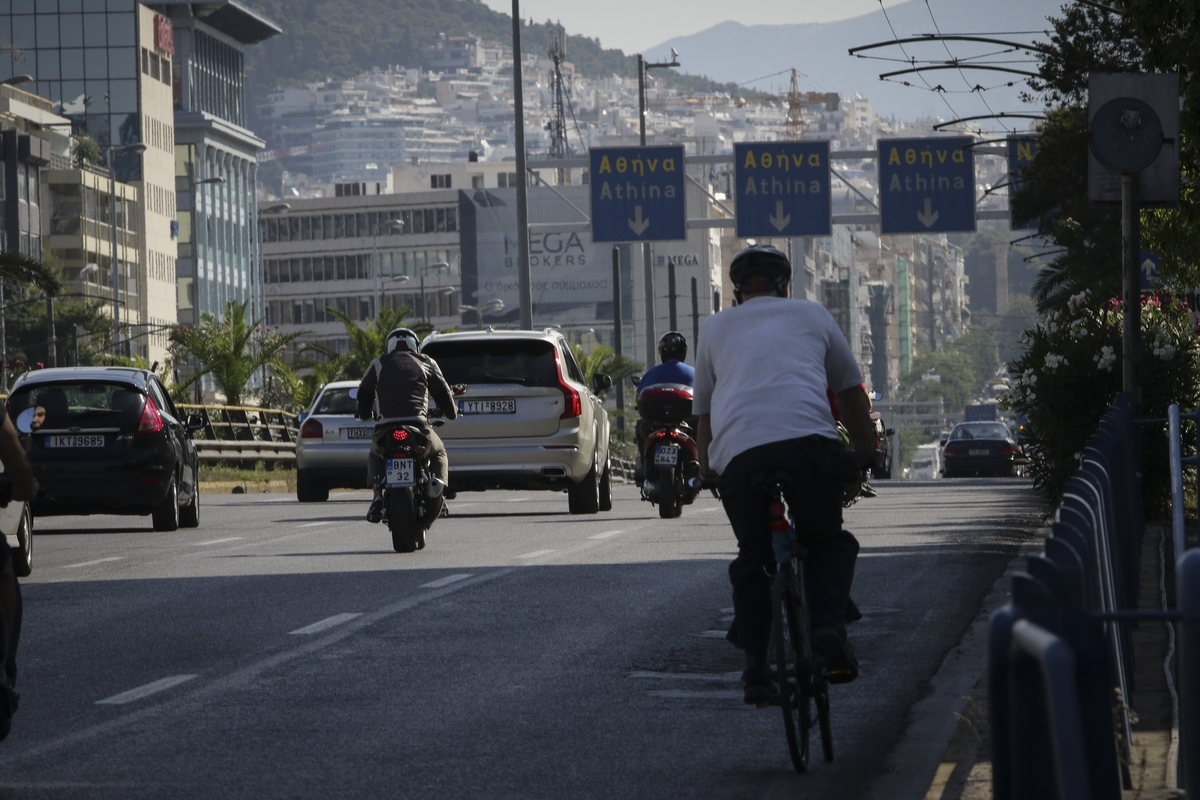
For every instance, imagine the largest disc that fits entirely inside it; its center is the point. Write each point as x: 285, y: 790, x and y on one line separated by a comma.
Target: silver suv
x: 528, y: 419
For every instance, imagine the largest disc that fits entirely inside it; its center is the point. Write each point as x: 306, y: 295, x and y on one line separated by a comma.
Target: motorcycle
x: 412, y: 496
x: 670, y: 456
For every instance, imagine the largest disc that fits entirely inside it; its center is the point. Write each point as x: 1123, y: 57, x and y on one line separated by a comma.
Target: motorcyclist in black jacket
x: 403, y: 380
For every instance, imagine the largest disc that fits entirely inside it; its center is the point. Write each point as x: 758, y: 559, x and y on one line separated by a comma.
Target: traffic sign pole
x: 524, y: 277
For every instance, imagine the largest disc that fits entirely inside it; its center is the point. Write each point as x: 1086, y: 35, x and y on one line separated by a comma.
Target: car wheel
x: 166, y: 514
x: 309, y: 490
x: 23, y: 557
x: 584, y: 497
x: 606, y: 489
x: 189, y: 515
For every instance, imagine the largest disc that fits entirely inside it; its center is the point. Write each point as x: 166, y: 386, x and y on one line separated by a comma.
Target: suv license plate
x: 666, y: 456
x: 96, y: 440
x: 359, y: 433
x: 400, y: 472
x: 487, y: 406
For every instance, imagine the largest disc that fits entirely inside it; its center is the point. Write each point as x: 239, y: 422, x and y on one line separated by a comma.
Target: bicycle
x: 801, y: 675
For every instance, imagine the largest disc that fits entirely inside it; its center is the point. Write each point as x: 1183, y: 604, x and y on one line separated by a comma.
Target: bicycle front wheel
x: 794, y: 697
x: 822, y: 698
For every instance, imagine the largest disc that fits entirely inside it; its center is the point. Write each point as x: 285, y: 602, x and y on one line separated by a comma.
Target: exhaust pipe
x: 554, y: 472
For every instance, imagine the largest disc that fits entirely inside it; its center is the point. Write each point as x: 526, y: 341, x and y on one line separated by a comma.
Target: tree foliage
x: 603, y: 359
x: 230, y: 349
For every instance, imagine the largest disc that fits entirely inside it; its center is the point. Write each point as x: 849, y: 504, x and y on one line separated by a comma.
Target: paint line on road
x: 325, y: 624
x: 721, y: 677
x: 697, y: 694
x: 145, y: 691
x: 218, y: 541
x: 711, y: 634
x: 94, y: 563
x: 537, y: 553
x: 517, y: 500
x: 315, y: 524
x: 605, y: 535
x: 446, y: 581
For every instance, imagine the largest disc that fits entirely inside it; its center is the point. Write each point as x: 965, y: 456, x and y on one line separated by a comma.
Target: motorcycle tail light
x: 399, y: 434
x: 151, y: 421
x: 312, y: 429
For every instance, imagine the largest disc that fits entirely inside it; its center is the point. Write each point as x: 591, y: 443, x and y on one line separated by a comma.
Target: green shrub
x: 1070, y: 374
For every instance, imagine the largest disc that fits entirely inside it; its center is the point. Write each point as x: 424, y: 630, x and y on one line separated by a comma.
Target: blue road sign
x: 927, y: 185
x: 1021, y: 150
x: 782, y: 189
x: 638, y: 194
x: 1150, y: 269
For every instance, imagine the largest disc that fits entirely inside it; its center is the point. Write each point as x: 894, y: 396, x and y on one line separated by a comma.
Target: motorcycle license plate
x: 667, y: 456
x: 400, y: 472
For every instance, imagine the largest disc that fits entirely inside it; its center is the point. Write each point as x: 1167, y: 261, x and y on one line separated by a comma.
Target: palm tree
x: 20, y: 268
x: 604, y: 359
x: 231, y: 349
x: 367, y: 342
x: 295, y: 385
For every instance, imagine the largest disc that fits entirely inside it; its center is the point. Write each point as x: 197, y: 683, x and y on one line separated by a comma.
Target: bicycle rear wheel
x: 794, y: 697
x: 821, y: 695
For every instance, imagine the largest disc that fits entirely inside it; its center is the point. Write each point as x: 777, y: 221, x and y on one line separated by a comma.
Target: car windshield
x: 93, y: 404
x: 529, y: 362
x: 980, y: 430
x: 336, y: 401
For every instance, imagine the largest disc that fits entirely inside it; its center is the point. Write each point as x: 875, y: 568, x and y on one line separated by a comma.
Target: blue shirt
x: 669, y: 372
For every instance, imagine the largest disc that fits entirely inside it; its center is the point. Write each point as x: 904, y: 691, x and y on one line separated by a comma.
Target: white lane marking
x: 446, y: 581
x: 314, y: 524
x: 697, y: 694
x: 218, y: 541
x: 145, y: 691
x: 517, y: 500
x: 325, y: 624
x: 722, y: 677
x: 537, y: 553
x: 605, y: 535
x: 94, y: 563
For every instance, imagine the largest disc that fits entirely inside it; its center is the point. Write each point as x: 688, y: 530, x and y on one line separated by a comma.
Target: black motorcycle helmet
x: 672, y: 345
x: 759, y: 268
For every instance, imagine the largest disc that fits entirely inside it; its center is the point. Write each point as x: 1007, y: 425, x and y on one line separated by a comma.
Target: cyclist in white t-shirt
x: 762, y: 371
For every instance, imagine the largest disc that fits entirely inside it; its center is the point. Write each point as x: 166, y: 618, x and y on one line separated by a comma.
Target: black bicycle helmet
x: 402, y: 337
x: 760, y: 268
x: 672, y: 345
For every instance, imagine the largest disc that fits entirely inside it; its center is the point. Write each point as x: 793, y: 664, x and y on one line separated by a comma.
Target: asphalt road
x: 283, y: 650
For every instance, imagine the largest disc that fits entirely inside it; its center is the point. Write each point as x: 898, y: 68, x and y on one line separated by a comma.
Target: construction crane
x: 798, y: 100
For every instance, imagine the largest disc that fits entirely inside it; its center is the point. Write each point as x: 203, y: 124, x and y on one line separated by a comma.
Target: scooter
x: 670, y: 457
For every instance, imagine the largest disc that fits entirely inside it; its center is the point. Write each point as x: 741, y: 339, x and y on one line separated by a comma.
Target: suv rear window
x: 80, y: 405
x: 336, y: 401
x: 529, y: 362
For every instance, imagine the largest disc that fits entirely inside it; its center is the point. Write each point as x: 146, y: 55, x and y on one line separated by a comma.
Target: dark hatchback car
x: 108, y: 440
x: 981, y: 448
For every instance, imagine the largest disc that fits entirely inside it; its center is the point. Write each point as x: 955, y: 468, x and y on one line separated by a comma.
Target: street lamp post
x: 648, y: 269
x: 495, y: 305
x: 396, y: 225
x: 441, y: 265
x: 115, y: 259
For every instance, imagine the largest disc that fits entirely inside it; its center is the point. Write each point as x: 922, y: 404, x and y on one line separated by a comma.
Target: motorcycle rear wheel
x: 401, y: 519
x: 668, y: 501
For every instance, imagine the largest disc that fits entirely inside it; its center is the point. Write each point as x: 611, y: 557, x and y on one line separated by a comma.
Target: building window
x: 476, y: 181
x: 439, y: 182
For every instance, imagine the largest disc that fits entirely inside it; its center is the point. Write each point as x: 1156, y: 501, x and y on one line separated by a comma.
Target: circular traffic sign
x: 1126, y: 135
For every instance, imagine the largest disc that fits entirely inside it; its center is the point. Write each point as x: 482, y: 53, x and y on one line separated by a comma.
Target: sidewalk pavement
x: 966, y: 770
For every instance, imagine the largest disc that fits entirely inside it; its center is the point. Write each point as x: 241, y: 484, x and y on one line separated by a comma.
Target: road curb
x: 917, y: 765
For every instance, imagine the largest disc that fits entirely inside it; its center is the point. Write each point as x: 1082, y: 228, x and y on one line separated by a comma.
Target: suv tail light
x: 151, y: 421
x: 311, y: 429
x: 572, y: 404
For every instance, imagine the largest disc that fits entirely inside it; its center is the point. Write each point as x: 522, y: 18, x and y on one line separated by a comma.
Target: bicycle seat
x: 775, y: 481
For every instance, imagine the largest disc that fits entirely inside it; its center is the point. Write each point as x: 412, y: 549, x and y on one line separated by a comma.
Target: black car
x: 981, y: 448
x: 108, y: 440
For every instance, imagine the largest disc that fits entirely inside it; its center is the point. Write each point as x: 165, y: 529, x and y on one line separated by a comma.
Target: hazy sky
x: 634, y: 25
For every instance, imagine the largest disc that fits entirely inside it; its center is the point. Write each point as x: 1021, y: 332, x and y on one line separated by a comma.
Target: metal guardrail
x: 245, y: 434
x: 1060, y: 655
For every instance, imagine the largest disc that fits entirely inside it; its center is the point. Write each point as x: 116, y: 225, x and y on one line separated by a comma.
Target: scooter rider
x: 761, y: 374
x: 403, y: 380
x: 672, y: 350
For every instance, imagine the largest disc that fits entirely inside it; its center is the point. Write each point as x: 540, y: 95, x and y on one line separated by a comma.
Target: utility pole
x: 671, y: 296
x: 524, y: 278
x: 618, y: 334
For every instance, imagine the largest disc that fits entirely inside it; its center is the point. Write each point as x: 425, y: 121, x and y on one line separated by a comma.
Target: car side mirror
x: 601, y: 382
x: 196, y: 422
x: 890, y: 432
x: 635, y: 379
x: 303, y: 415
x: 353, y: 393
x: 942, y: 441
x: 24, y: 420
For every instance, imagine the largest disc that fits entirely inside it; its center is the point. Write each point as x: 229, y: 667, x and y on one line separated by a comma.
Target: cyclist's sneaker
x: 375, y: 512
x: 838, y: 654
x: 759, y: 688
